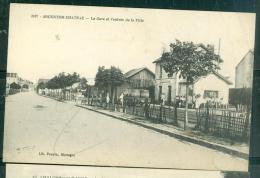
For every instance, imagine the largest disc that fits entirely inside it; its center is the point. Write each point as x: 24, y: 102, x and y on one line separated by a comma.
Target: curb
x: 178, y: 136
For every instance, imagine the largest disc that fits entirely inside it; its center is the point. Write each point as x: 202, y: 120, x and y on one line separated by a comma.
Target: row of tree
x: 63, y: 80
x: 17, y: 86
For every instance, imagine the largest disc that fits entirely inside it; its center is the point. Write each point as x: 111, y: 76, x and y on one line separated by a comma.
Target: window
x: 210, y: 94
x: 182, y: 89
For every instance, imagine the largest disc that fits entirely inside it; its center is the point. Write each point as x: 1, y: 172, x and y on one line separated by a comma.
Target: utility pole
x: 219, y: 41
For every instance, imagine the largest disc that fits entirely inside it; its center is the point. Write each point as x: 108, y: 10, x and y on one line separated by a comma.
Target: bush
x: 15, y: 86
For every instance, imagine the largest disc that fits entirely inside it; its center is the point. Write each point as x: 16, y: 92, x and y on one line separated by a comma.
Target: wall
x: 143, y: 75
x: 211, y: 82
x: 10, y: 80
x: 165, y: 81
x: 244, y: 71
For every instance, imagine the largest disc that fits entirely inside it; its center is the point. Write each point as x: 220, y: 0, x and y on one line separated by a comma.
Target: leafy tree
x: 41, y: 85
x: 15, y: 86
x: 100, y: 79
x: 189, y: 61
x: 70, y: 79
x: 25, y: 86
x: 63, y: 80
x: 109, y: 78
x: 83, y: 83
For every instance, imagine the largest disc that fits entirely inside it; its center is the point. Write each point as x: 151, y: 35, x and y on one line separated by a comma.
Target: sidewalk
x: 223, y: 145
x: 220, y: 144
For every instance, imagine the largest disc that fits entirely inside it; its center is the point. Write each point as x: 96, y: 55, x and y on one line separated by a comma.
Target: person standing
x: 107, y: 100
x: 121, y: 97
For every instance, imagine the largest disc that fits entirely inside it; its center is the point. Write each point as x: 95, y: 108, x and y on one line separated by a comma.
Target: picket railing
x: 224, y: 123
x: 219, y: 122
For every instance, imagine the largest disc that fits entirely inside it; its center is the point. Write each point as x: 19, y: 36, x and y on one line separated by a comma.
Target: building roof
x: 135, y: 71
x: 157, y: 60
x: 250, y: 51
x: 225, y: 79
x: 218, y: 75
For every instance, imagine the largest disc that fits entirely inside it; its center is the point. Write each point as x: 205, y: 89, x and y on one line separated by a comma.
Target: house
x: 165, y: 86
x: 172, y: 88
x: 241, y: 95
x: 11, y: 78
x: 244, y: 71
x: 14, y: 78
x: 25, y: 83
x: 139, y: 83
x: 213, y: 87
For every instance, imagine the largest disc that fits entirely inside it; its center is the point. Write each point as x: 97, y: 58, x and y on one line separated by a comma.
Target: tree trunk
x: 186, y: 108
x: 115, y: 97
x: 112, y: 95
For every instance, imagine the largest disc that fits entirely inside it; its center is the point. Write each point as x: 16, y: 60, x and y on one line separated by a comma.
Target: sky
x: 43, y: 47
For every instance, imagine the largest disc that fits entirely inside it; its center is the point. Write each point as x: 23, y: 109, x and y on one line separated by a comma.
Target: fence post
x: 245, y: 130
x: 133, y: 104
x: 146, y: 110
x: 229, y: 123
x: 207, y: 118
x: 160, y: 116
x: 175, y: 122
x: 198, y: 118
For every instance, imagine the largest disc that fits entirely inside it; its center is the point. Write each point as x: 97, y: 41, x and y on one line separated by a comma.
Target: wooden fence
x: 224, y: 123
x: 220, y: 122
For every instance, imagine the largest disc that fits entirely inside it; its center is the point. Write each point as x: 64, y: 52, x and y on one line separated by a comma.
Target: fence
x: 224, y: 123
x: 155, y: 113
x: 220, y: 122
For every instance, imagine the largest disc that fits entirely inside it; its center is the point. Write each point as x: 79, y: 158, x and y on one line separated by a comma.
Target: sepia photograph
x: 129, y: 87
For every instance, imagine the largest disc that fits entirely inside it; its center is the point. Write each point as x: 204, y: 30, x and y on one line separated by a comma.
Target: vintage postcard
x: 129, y: 87
x: 55, y: 171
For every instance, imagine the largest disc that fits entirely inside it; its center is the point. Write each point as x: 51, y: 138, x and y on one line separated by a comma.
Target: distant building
x: 11, y: 78
x: 211, y: 87
x: 23, y: 82
x: 139, y: 83
x: 14, y: 78
x: 244, y: 71
x: 140, y: 78
x: 41, y: 80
